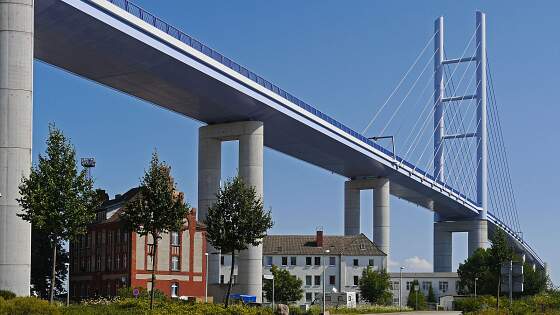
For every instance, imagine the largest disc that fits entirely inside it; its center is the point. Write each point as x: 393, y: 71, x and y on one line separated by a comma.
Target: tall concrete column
x: 250, y: 136
x: 351, y: 209
x: 478, y: 235
x: 16, y: 114
x: 209, y: 170
x: 251, y: 171
x: 381, y: 215
x: 443, y: 248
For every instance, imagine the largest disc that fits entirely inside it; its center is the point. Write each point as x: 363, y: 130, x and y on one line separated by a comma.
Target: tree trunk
x: 53, y: 272
x: 154, y: 264
x: 230, y: 278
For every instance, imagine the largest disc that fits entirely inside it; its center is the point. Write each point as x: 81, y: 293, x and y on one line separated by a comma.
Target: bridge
x: 118, y: 44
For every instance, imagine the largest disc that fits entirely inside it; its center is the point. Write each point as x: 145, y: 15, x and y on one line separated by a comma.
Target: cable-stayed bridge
x: 448, y: 153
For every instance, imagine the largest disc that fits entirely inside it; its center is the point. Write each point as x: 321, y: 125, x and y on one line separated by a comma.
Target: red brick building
x: 109, y: 257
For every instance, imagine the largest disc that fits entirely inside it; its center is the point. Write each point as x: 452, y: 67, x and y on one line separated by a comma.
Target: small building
x: 109, y: 256
x: 442, y: 283
x: 304, y: 256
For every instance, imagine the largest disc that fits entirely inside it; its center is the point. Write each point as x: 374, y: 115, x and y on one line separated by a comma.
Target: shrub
x: 28, y: 305
x: 143, y: 293
x: 7, y: 294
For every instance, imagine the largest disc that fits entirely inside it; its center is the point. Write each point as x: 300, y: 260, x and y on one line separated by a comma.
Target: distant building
x: 304, y: 255
x: 442, y: 283
x: 109, y: 257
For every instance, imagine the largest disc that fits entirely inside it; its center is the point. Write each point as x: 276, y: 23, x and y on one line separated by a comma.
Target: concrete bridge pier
x: 250, y: 136
x: 16, y: 114
x: 381, y: 209
x: 443, y: 240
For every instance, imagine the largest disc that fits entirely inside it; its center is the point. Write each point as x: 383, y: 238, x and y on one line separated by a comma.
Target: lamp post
x: 400, y: 290
x: 271, y: 277
x: 475, y: 279
x: 324, y: 256
x: 67, y: 265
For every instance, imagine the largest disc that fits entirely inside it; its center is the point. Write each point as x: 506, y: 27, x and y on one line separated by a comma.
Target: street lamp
x: 475, y: 279
x: 400, y: 290
x: 324, y: 256
x: 271, y: 277
x: 67, y: 265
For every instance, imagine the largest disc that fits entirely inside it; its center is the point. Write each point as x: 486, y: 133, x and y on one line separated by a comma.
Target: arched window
x: 175, y: 290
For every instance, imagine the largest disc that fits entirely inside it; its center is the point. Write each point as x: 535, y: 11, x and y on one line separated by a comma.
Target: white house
x: 442, y: 283
x: 304, y: 256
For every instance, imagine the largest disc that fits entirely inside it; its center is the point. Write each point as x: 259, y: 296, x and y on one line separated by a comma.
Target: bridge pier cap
x: 16, y: 113
x: 250, y: 136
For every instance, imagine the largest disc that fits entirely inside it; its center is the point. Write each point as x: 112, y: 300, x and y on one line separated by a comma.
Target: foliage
x: 287, y: 288
x: 56, y: 199
x: 7, y: 295
x: 431, y: 295
x: 535, y: 280
x: 157, y: 209
x: 28, y: 305
x: 143, y: 293
x: 360, y: 309
x: 374, y: 286
x: 41, y: 264
x: 236, y: 220
x: 416, y: 296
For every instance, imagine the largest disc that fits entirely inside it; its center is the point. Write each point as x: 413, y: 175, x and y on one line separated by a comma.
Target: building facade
x: 109, y: 257
x: 343, y: 258
x: 442, y: 283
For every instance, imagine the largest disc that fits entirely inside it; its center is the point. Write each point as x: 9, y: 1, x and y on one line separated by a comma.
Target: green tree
x: 287, y: 288
x: 431, y: 295
x: 157, y: 209
x: 56, y: 199
x: 236, y: 220
x: 416, y: 296
x: 535, y: 280
x: 41, y: 262
x: 374, y: 286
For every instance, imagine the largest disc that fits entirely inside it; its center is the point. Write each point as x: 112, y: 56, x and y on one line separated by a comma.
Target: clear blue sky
x: 344, y: 58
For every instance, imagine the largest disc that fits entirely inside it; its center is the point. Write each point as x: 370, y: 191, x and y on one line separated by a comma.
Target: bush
x: 143, y: 293
x: 7, y: 294
x: 28, y: 305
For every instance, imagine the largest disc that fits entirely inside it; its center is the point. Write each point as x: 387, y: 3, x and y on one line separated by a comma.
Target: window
x: 175, y: 238
x: 457, y: 286
x: 222, y: 260
x: 284, y: 261
x: 293, y: 260
x: 174, y: 290
x: 308, y: 261
x: 268, y: 260
x: 443, y: 286
x: 175, y: 263
x: 332, y: 280
x: 355, y: 262
x: 332, y: 261
x: 317, y: 280
x: 308, y: 296
x: 395, y: 285
x: 370, y: 263
x: 317, y: 261
x: 308, y: 280
x: 426, y: 286
x: 222, y: 279
x: 150, y: 263
x: 124, y: 262
x: 356, y: 280
x: 408, y: 285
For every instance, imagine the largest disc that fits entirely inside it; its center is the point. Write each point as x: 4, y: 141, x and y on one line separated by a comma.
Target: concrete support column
x: 351, y: 209
x: 251, y: 171
x: 478, y: 235
x: 443, y: 247
x: 250, y: 136
x: 381, y: 215
x: 16, y: 114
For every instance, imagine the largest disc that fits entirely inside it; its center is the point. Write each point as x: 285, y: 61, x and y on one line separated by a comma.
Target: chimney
x: 319, y: 238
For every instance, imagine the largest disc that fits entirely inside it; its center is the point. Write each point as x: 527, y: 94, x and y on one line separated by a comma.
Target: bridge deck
x: 123, y: 47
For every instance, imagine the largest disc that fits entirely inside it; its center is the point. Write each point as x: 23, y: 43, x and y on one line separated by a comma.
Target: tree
x: 157, y: 209
x: 416, y: 296
x: 287, y: 288
x: 236, y: 220
x: 535, y: 280
x: 56, y: 199
x: 431, y: 295
x: 374, y: 286
x: 41, y: 262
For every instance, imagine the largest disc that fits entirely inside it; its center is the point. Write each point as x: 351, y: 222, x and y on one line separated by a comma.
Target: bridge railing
x: 199, y: 46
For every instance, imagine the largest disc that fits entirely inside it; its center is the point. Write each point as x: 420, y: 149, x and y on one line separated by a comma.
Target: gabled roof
x: 351, y: 245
